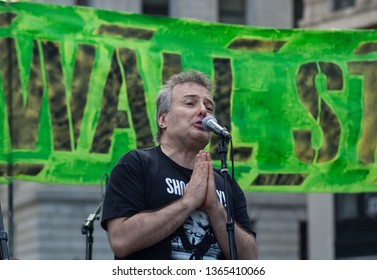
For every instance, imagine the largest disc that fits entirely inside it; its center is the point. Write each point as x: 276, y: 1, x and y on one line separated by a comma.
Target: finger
x: 200, y: 170
x: 208, y: 157
x: 211, y: 177
x: 198, y: 160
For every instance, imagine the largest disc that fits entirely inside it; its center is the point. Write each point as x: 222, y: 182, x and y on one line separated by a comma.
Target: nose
x: 203, y: 110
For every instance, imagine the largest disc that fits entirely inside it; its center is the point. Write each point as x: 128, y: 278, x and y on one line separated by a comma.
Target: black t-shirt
x: 149, y: 180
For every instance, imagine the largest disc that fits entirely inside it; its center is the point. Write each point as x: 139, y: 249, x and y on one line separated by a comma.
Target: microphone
x: 210, y: 123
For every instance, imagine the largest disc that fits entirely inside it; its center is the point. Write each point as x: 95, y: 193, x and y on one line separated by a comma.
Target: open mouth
x: 199, y: 125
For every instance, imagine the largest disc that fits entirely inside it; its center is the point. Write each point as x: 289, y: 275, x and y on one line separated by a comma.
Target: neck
x: 182, y: 156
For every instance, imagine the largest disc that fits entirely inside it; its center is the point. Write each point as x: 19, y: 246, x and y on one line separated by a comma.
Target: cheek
x: 174, y: 119
x: 171, y: 121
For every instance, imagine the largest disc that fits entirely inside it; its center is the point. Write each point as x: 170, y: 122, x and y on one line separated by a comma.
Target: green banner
x: 78, y: 88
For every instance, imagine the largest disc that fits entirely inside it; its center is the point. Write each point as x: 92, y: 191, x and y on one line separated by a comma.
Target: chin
x: 204, y: 139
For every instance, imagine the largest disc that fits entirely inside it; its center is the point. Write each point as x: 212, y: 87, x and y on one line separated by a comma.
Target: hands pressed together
x: 201, y: 189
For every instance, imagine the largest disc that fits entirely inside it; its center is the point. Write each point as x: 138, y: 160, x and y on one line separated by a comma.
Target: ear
x: 162, y: 120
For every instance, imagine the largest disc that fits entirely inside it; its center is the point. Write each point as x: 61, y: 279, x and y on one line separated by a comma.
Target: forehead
x: 185, y: 90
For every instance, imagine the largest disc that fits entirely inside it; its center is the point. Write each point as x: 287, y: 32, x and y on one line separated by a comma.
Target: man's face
x: 190, y: 104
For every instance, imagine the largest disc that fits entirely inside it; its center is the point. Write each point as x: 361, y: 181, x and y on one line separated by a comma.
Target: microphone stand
x: 229, y: 199
x: 87, y: 227
x: 4, y: 255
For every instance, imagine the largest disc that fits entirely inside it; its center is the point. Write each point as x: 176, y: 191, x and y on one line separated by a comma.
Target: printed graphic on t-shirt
x: 177, y: 187
x: 195, y: 240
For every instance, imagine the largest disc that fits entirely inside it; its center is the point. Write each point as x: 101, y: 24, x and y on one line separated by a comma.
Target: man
x: 167, y: 202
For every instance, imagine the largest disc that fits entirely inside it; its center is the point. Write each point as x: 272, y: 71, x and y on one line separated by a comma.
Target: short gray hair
x: 163, y: 100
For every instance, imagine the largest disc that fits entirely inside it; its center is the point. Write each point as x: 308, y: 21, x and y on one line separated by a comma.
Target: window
x: 298, y: 12
x: 82, y: 2
x: 341, y: 4
x: 303, y: 240
x: 232, y: 11
x: 356, y: 225
x: 156, y: 7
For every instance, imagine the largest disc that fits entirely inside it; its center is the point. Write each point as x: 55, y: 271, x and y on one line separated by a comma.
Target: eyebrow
x: 196, y: 96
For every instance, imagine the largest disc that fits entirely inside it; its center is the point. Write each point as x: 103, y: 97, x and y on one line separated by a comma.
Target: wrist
x: 214, y: 209
x: 189, y: 203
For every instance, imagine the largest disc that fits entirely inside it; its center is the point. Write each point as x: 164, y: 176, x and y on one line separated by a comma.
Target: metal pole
x: 4, y: 255
x: 10, y: 219
x: 10, y: 162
